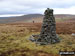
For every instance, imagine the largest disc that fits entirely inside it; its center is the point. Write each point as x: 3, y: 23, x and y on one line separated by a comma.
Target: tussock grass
x: 14, y: 42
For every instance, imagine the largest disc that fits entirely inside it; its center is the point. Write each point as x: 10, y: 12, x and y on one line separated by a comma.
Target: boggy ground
x: 14, y: 40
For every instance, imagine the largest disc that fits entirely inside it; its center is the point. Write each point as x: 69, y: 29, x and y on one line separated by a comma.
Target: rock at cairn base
x: 48, y: 32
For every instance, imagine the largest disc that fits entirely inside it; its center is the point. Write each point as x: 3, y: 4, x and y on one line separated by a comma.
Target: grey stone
x: 73, y: 34
x: 48, y: 31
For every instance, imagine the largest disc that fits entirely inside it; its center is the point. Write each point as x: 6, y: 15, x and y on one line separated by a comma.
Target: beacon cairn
x: 48, y: 32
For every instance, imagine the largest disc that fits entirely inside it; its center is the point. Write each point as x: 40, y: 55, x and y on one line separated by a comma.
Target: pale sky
x: 20, y: 7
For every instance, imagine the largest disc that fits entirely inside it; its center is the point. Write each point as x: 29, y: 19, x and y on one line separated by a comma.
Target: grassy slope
x: 14, y: 42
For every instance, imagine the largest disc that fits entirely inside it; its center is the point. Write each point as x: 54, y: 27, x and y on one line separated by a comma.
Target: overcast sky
x: 14, y: 7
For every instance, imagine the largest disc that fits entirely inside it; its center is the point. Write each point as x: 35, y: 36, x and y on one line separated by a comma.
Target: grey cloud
x: 32, y: 6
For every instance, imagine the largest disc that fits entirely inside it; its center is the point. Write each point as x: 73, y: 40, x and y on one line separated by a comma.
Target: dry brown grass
x: 67, y: 27
x: 14, y: 41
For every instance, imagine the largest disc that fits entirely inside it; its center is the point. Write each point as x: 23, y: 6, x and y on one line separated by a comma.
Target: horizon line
x: 15, y: 15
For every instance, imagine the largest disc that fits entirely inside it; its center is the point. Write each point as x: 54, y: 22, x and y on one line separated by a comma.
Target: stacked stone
x: 48, y: 32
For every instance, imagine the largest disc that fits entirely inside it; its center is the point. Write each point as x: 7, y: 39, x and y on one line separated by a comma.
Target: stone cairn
x: 48, y: 32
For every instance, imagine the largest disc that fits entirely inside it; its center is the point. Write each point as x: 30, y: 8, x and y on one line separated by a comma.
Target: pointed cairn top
x: 48, y: 11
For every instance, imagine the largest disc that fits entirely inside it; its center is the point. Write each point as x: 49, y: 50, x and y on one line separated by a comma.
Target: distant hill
x: 34, y: 17
x: 64, y: 16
